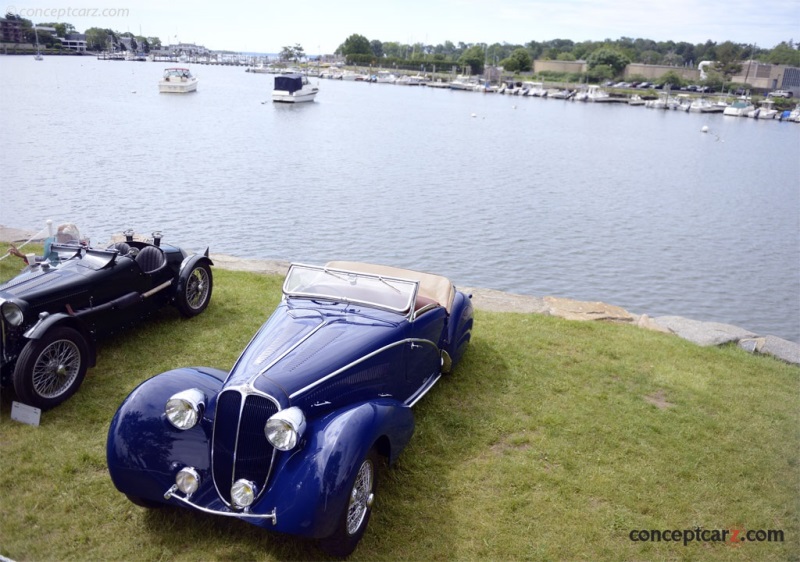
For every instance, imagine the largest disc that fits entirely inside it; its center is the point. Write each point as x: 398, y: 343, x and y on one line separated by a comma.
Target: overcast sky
x: 322, y: 25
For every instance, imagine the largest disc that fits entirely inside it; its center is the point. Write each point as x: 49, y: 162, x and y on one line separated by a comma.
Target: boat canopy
x: 289, y: 82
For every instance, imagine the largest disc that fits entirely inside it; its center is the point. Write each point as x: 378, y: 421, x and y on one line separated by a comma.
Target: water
x: 627, y: 205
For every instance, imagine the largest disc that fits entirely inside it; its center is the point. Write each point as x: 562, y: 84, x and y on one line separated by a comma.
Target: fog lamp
x: 243, y: 492
x: 187, y: 480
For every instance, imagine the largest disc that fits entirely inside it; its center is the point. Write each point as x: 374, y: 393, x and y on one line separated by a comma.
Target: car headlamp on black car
x: 12, y: 313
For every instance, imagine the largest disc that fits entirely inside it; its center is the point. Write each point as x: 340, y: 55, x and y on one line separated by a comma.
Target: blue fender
x: 142, y: 445
x: 312, y: 486
x: 460, y: 326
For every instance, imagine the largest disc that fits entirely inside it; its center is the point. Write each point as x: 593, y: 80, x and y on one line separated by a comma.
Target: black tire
x: 194, y: 293
x: 352, y: 521
x: 51, y: 369
x: 141, y: 502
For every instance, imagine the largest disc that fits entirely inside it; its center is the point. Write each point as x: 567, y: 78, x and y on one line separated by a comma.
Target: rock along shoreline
x: 696, y: 331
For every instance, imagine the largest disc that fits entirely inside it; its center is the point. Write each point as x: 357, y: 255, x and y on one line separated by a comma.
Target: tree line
x: 604, y: 58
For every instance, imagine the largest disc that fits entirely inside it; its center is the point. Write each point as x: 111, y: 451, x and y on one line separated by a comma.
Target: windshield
x: 391, y: 293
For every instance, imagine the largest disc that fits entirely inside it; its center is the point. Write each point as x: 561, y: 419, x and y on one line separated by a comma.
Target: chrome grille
x: 240, y: 448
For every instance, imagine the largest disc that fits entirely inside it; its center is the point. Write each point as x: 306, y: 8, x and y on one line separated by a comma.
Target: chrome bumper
x: 170, y: 494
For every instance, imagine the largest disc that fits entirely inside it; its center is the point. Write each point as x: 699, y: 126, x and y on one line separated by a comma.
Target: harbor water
x: 627, y: 205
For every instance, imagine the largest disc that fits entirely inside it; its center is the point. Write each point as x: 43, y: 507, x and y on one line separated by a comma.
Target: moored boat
x: 293, y: 88
x: 177, y: 81
x: 740, y: 108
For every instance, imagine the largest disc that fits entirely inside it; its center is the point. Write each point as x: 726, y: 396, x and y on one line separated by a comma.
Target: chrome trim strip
x: 154, y: 290
x: 170, y: 494
x: 358, y: 361
x: 423, y: 391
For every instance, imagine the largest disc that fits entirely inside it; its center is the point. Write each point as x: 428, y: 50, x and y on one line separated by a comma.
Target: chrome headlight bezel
x: 184, y: 410
x: 284, y: 429
x: 12, y: 313
x: 187, y: 480
x: 243, y: 493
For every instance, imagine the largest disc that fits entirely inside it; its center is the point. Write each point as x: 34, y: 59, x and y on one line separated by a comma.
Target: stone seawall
x: 701, y: 333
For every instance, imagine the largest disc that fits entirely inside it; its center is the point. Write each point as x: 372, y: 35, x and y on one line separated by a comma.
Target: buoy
x: 704, y: 129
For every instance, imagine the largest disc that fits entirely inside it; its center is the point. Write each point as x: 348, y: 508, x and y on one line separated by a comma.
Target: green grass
x: 552, y: 440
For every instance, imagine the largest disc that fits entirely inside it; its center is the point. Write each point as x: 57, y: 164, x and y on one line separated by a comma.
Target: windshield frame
x: 394, y: 294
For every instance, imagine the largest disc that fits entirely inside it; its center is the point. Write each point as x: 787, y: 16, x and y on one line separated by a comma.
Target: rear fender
x: 48, y: 321
x: 312, y: 485
x: 143, y: 446
x: 459, y: 326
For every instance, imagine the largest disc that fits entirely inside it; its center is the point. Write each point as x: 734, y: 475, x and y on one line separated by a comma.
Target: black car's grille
x: 240, y: 448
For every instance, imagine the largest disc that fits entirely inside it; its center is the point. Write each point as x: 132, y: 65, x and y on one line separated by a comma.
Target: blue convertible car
x: 290, y: 439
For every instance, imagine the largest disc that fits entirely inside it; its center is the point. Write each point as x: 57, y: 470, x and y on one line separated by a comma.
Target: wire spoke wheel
x: 360, y: 497
x: 197, y: 288
x: 56, y: 368
x: 194, y: 290
x: 50, y: 369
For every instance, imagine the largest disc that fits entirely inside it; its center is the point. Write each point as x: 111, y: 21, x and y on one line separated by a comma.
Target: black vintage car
x: 53, y: 313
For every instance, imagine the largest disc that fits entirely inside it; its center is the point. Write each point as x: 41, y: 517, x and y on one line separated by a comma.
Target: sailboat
x: 38, y: 52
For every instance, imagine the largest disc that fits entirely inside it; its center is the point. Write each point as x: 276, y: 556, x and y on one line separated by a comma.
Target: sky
x: 323, y: 25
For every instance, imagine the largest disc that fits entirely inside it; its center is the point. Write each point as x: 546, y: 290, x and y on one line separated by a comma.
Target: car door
x: 422, y: 351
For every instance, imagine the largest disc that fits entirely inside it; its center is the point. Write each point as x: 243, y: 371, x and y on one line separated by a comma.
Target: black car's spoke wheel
x: 353, y: 521
x: 49, y: 370
x: 193, y: 298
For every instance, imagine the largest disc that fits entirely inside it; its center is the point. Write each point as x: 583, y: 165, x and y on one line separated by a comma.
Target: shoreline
x: 699, y: 332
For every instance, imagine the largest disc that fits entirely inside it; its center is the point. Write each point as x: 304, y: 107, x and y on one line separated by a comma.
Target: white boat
x: 177, y: 81
x: 740, y: 108
x: 461, y: 83
x: 556, y: 94
x: 293, y: 88
x: 385, y: 77
x: 351, y: 76
x: 635, y: 99
x: 596, y: 94
x: 535, y: 89
x: 767, y: 110
x: 717, y: 106
x: 682, y: 102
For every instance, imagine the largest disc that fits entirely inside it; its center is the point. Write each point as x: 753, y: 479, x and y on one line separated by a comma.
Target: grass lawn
x: 552, y: 440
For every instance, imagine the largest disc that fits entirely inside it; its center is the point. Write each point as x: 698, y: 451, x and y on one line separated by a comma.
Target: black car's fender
x: 188, y: 265
x: 60, y: 319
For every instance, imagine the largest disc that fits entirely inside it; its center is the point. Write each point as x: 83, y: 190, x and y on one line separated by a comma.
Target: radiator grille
x: 240, y: 448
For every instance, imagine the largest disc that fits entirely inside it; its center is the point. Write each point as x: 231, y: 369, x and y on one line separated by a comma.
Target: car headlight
x: 12, y: 313
x: 243, y: 492
x: 185, y: 409
x: 285, y: 428
x: 187, y: 480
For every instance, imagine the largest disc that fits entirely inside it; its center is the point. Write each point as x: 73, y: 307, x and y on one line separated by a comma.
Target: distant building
x: 11, y: 31
x: 74, y: 42
x: 768, y: 77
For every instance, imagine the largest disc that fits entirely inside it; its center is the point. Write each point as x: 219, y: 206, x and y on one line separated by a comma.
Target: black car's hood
x: 44, y: 280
